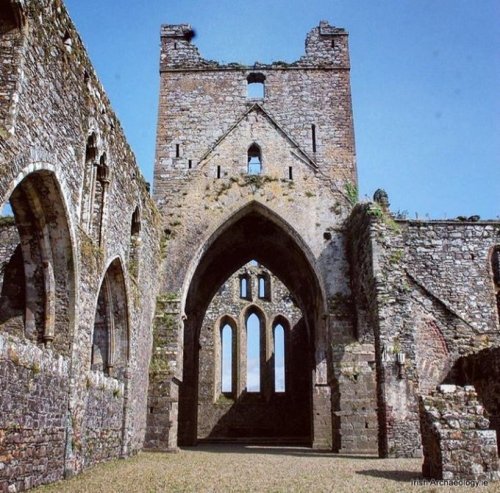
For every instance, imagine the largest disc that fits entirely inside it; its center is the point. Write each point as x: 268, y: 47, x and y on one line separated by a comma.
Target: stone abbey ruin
x: 125, y: 318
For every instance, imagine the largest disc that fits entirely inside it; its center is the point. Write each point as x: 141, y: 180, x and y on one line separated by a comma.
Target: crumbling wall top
x: 325, y: 47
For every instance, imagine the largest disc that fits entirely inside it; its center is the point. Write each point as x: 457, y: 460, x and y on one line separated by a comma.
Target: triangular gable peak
x: 297, y: 151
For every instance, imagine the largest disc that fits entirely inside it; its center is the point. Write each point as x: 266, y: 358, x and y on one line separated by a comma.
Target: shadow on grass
x: 402, y: 476
x: 272, y: 450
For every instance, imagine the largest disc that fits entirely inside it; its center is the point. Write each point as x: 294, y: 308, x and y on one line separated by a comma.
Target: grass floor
x: 238, y: 468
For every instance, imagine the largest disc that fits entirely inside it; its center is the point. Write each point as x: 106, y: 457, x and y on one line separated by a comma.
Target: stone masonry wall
x: 67, y: 415
x: 33, y: 415
x: 482, y: 370
x: 456, y: 440
x: 431, y: 300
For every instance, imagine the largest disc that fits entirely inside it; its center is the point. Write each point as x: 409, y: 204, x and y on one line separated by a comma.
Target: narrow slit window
x: 313, y: 136
x: 190, y: 163
x: 495, y: 267
x: 279, y: 358
x: 264, y: 285
x: 227, y: 359
x: 255, y: 86
x: 218, y: 171
x: 177, y: 150
x: 254, y: 160
x: 244, y: 287
x: 253, y: 353
x: 68, y: 42
x: 290, y: 173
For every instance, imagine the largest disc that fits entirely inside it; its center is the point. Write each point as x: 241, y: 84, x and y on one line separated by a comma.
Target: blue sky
x: 425, y: 82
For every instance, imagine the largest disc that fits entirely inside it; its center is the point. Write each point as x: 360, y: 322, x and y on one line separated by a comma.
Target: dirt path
x: 226, y: 468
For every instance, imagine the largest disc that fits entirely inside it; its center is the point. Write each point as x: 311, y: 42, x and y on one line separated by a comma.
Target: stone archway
x: 110, y: 337
x: 38, y: 288
x: 255, y: 232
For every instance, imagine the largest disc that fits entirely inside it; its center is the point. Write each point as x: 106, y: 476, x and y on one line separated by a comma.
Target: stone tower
x: 254, y: 162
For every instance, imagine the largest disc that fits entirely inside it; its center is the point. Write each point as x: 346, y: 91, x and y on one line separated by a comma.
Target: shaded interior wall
x: 431, y: 299
x: 266, y: 415
x: 482, y: 370
x: 12, y: 281
x: 59, y: 415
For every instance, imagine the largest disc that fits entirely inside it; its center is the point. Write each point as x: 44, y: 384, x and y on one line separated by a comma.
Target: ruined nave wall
x: 72, y: 180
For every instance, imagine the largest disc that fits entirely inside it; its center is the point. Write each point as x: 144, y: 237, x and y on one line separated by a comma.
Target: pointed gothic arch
x: 253, y: 232
x: 110, y: 335
x: 37, y: 299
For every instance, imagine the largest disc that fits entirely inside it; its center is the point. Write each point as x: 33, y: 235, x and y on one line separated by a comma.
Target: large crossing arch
x: 253, y: 232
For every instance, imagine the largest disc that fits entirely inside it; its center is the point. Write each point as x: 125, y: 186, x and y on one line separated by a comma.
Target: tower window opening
x: 190, y: 163
x: 177, y: 150
x: 218, y: 171
x: 290, y: 173
x: 255, y: 86
x: 313, y: 136
x: 254, y: 160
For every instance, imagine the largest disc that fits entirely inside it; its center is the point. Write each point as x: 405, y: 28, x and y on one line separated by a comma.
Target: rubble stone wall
x: 52, y: 406
x: 425, y: 290
x: 456, y: 440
